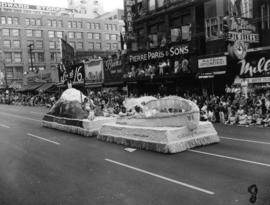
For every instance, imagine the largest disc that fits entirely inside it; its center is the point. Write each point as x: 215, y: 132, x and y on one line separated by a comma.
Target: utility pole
x: 31, y: 52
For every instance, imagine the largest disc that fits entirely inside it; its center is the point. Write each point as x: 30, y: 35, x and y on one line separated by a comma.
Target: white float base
x: 159, y: 139
x: 87, y: 128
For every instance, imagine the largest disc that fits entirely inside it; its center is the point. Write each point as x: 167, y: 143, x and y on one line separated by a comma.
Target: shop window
x: 17, y: 44
x: 151, y: 5
x: 7, y: 43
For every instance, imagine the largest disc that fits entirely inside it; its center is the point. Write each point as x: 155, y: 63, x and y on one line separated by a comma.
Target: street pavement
x: 45, y: 166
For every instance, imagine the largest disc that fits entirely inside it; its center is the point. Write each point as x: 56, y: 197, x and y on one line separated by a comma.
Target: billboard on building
x: 76, y: 74
x: 113, y: 70
x: 94, y: 71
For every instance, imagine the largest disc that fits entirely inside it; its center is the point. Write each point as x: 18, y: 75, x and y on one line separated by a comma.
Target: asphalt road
x: 44, y: 166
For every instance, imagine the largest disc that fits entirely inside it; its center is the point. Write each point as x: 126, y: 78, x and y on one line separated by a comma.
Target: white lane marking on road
x: 5, y: 126
x: 44, y: 139
x: 25, y: 118
x: 232, y: 158
x: 162, y: 177
x: 243, y: 140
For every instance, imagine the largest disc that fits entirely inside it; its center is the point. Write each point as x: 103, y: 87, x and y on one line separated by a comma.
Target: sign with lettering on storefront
x: 76, y: 74
x: 113, y: 70
x: 256, y: 64
x: 159, y: 54
x: 212, y: 62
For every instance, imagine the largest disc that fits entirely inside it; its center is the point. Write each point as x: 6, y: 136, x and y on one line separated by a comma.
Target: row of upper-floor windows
x: 57, y: 23
x: 265, y: 16
x: 57, y: 34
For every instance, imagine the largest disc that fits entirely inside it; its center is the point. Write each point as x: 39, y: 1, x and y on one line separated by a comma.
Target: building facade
x: 89, y: 8
x: 23, y: 25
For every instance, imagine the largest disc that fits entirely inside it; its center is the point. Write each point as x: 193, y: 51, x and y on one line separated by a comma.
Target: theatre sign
x: 241, y: 29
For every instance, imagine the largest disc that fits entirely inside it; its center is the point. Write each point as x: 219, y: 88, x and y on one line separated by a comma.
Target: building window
x: 69, y: 24
x: 110, y: 27
x: 79, y: 45
x: 91, y: 46
x: 114, y: 37
x: 29, y: 33
x: 106, y: 27
x: 115, y: 46
x: 5, y: 32
x: 89, y: 35
x: 33, y: 22
x: 97, y: 26
x: 214, y: 28
x: 115, y: 27
x: 268, y: 16
x: 74, y: 24
x: 92, y: 26
x: 17, y: 57
x: 59, y: 23
x: 8, y: 57
x: 17, y: 44
x: 27, y: 22
x: 49, y: 22
x: 151, y: 5
x: 107, y: 36
x: 9, y: 72
x: 54, y: 57
x: 78, y: 35
x: 38, y: 33
x: 40, y: 57
x: 70, y: 34
x: 16, y: 21
x: 79, y: 24
x: 38, y: 22
x: 97, y: 36
x: 3, y: 20
x: 52, y: 45
x: 59, y: 34
x: 51, y: 34
x: 9, y: 20
x: 15, y: 32
x: 7, y: 43
x: 160, y: 3
x: 108, y: 46
x: 30, y: 42
x: 88, y: 25
x: 39, y: 44
x: 54, y: 23
x: 98, y: 46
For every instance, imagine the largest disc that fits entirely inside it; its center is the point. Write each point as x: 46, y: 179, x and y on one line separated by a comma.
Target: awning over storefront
x: 29, y: 88
x: 45, y: 87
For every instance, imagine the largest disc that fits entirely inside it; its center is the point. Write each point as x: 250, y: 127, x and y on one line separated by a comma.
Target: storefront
x: 212, y: 73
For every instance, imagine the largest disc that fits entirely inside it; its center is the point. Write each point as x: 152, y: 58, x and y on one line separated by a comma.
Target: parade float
x: 68, y: 115
x: 167, y: 125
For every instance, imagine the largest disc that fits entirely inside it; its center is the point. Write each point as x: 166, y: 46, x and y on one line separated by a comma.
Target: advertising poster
x: 113, y: 70
x: 94, y: 71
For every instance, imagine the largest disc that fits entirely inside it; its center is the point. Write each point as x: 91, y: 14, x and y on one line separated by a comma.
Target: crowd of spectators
x: 14, y: 98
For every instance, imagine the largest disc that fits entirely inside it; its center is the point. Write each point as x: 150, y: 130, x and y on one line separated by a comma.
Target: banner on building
x: 94, y: 71
x: 113, y: 70
x: 76, y: 74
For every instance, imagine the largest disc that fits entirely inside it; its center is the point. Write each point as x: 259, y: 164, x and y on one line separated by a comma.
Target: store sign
x: 113, y: 70
x: 159, y: 54
x: 94, y: 71
x: 33, y: 7
x: 256, y: 64
x: 76, y: 74
x: 241, y: 29
x: 212, y: 62
x: 129, y: 17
